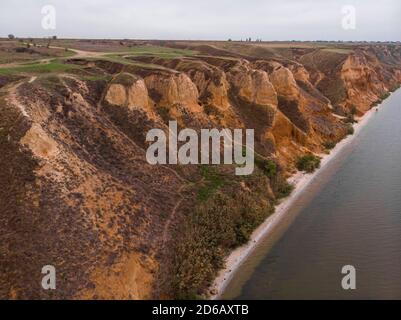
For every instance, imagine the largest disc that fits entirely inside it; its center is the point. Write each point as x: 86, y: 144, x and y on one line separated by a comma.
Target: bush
x: 308, y: 163
x: 329, y: 145
x: 268, y: 167
x: 350, y: 130
x: 385, y: 96
x: 284, y: 189
x: 395, y: 88
x: 381, y: 99
x: 210, y: 231
x: 212, y: 182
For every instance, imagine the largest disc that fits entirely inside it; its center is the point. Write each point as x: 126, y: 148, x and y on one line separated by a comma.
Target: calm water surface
x: 351, y: 215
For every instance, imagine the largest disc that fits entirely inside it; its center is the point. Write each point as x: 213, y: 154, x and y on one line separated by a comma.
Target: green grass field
x: 38, y: 68
x: 163, y: 52
x: 338, y: 50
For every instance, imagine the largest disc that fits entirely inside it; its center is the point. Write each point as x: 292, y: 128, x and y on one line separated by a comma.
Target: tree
x: 11, y: 37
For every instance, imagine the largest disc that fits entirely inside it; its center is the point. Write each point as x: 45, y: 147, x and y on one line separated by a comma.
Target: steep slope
x: 87, y: 202
x: 78, y: 193
x: 354, y: 79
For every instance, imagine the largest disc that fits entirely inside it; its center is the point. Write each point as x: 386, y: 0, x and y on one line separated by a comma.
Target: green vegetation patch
x: 268, y: 167
x: 338, y: 50
x: 385, y: 96
x: 99, y: 77
x: 212, y: 229
x: 279, y: 185
x: 350, y: 129
x: 164, y: 52
x: 153, y: 51
x: 284, y: 189
x: 308, y: 163
x: 128, y: 61
x: 329, y: 145
x: 381, y: 99
x: 212, y: 181
x: 39, y: 68
x: 227, y: 211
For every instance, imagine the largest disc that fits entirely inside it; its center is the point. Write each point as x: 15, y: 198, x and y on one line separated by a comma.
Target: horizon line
x: 198, y: 40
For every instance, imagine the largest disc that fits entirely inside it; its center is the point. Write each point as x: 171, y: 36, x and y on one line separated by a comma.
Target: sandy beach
x: 300, y: 180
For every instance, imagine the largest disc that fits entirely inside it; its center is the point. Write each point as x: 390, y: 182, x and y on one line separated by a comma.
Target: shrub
x: 268, y: 167
x: 385, y: 96
x: 329, y: 145
x: 375, y: 104
x: 214, y: 227
x: 212, y: 182
x: 308, y: 163
x: 350, y: 129
x: 284, y: 189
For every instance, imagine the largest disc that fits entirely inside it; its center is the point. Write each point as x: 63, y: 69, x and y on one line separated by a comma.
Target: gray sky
x: 204, y: 19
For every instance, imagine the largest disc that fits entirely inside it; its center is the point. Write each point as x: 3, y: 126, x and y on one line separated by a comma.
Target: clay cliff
x: 78, y: 193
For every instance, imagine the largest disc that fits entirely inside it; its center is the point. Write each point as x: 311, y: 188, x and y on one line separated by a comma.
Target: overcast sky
x: 204, y: 19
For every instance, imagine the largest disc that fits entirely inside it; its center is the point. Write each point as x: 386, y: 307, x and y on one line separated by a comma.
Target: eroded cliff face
x: 238, y: 93
x: 88, y: 204
x: 79, y: 193
x: 360, y: 75
x: 354, y: 79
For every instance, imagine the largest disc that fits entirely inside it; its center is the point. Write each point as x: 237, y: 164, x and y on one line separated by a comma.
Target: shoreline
x: 300, y: 180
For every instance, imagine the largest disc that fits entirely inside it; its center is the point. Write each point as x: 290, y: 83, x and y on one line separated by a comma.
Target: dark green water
x: 351, y: 215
